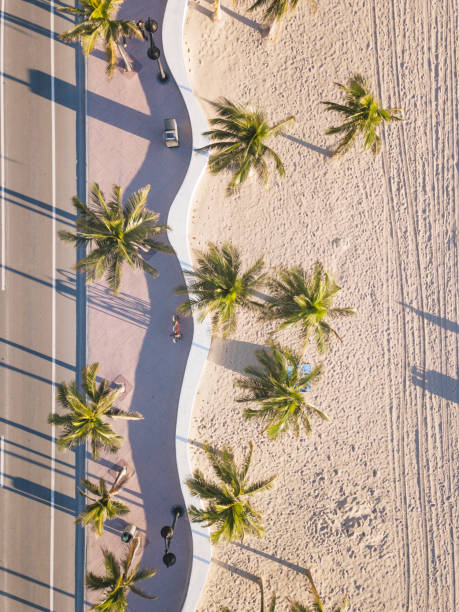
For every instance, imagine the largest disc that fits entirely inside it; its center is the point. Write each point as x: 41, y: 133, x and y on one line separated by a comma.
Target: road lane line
x: 2, y: 461
x: 53, y: 308
x: 2, y: 145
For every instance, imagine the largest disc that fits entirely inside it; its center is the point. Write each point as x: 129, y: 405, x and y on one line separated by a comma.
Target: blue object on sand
x: 305, y: 368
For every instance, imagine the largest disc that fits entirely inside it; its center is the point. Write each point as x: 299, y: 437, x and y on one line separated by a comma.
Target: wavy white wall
x: 178, y: 219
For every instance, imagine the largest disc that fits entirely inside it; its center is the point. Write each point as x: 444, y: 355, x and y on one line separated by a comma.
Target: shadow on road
x: 41, y: 494
x: 35, y: 581
x: 25, y: 602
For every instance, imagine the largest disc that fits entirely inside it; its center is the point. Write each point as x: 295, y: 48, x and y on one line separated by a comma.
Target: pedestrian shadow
x: 439, y: 384
x: 308, y: 145
x: 446, y: 324
x: 234, y: 355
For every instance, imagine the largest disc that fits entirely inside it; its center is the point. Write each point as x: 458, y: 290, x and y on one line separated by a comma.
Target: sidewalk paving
x: 129, y: 335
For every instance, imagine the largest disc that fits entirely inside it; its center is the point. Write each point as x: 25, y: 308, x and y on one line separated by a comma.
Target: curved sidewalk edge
x: 178, y: 219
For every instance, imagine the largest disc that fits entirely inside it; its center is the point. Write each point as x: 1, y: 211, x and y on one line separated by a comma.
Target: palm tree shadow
x: 248, y: 22
x: 234, y: 355
x: 308, y: 145
x: 293, y: 566
x: 201, y: 9
x: 446, y: 324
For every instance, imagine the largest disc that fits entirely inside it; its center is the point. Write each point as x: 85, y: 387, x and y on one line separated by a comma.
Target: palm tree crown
x: 318, y: 605
x: 228, y: 508
x: 278, y: 386
x: 102, y: 506
x: 305, y: 299
x: 97, y: 23
x: 118, y: 232
x: 238, y: 142
x: 362, y: 113
x: 87, y: 413
x: 275, y: 10
x: 119, y: 580
x: 217, y: 286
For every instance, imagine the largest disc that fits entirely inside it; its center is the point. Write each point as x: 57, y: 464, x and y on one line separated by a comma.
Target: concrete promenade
x: 129, y: 335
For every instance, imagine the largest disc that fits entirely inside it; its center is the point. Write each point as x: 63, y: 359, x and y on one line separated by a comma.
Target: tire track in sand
x: 396, y: 444
x: 420, y: 597
x: 438, y: 44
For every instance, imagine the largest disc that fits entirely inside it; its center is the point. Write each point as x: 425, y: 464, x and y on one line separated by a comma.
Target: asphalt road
x: 41, y: 549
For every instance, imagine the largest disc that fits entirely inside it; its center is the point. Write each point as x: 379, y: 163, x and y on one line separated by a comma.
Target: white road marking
x: 53, y: 310
x: 2, y: 147
x: 2, y: 461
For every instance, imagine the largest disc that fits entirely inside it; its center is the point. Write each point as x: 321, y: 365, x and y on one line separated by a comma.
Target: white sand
x: 367, y: 502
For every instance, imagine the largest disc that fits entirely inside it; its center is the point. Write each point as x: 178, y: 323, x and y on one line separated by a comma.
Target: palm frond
x: 238, y: 142
x: 363, y: 114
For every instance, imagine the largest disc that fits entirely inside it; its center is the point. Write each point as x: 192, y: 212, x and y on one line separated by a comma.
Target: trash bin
x: 128, y: 533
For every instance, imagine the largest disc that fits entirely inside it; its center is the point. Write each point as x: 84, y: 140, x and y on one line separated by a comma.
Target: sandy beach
x: 368, y: 502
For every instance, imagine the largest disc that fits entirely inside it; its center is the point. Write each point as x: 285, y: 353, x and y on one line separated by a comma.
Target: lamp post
x: 153, y: 52
x: 167, y: 532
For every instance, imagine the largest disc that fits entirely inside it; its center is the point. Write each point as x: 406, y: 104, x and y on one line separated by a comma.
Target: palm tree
x: 87, y: 413
x: 305, y: 299
x: 238, y: 143
x: 278, y: 387
x: 119, y: 580
x: 362, y: 113
x: 275, y: 10
x: 118, y: 231
x: 219, y: 287
x: 96, y: 24
x: 103, y: 506
x: 228, y: 507
x: 317, y: 606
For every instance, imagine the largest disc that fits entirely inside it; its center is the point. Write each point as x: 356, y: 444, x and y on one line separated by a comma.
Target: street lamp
x: 167, y: 532
x: 153, y: 52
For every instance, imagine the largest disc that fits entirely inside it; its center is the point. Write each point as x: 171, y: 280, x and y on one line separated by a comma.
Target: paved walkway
x: 129, y: 335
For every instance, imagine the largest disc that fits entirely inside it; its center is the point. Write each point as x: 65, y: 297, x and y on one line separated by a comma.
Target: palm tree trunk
x: 217, y: 11
x: 274, y: 29
x: 127, y: 62
x: 121, y: 474
x: 262, y: 596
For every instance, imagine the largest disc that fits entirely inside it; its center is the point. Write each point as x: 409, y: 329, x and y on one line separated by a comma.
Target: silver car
x: 171, y: 133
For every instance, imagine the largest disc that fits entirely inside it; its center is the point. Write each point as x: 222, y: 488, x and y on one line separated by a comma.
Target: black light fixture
x: 153, y: 52
x: 167, y: 533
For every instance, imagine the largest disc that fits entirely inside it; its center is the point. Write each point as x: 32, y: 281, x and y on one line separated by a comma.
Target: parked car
x: 171, y: 133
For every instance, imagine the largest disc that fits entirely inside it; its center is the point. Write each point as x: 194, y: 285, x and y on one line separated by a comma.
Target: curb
x: 178, y: 219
